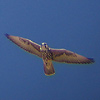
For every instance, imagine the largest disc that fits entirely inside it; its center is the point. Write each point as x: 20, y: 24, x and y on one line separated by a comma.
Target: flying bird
x: 49, y: 54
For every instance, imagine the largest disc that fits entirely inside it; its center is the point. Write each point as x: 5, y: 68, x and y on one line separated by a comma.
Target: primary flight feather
x: 48, y: 54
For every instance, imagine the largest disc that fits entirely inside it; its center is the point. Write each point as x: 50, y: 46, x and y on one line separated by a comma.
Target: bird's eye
x: 45, y: 45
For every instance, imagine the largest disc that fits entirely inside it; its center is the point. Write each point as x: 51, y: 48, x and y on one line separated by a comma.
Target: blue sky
x: 70, y: 24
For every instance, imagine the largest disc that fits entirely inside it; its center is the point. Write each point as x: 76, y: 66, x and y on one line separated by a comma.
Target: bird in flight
x: 49, y: 54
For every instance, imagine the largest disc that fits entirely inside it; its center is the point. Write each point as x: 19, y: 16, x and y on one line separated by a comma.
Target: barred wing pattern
x: 66, y: 56
x: 25, y: 44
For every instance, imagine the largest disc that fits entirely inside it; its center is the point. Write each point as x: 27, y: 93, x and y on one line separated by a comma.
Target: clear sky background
x: 70, y: 24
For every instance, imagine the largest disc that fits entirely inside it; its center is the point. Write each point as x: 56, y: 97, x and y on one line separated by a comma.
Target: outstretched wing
x: 62, y: 55
x: 25, y: 44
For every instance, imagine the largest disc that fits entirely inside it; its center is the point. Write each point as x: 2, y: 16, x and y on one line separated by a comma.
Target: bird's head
x: 44, y: 47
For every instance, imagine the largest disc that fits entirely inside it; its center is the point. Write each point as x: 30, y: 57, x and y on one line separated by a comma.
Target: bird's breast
x: 47, y: 55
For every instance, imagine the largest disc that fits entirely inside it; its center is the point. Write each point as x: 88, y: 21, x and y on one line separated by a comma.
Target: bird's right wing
x: 25, y: 44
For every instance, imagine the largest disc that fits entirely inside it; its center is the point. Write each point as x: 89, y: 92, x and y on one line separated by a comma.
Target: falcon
x: 49, y: 54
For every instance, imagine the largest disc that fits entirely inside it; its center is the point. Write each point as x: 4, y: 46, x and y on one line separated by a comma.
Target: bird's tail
x: 48, y: 67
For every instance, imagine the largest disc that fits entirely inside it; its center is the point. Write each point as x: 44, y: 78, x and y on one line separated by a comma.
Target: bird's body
x: 48, y: 54
x: 47, y: 58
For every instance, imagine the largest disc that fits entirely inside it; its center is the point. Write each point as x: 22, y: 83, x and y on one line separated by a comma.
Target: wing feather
x: 66, y: 56
x: 48, y: 67
x: 25, y: 44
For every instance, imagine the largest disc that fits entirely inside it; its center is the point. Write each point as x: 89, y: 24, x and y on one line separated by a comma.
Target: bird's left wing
x: 25, y: 44
x: 66, y: 56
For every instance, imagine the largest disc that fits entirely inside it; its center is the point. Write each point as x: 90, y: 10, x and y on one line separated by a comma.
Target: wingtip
x: 92, y: 60
x: 6, y: 35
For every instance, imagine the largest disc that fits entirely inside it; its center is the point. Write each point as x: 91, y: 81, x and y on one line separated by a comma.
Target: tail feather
x: 48, y: 67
